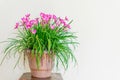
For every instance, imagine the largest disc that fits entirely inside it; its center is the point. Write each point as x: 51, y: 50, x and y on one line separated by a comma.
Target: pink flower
x: 24, y: 20
x: 68, y: 26
x: 42, y: 14
x: 57, y: 23
x: 37, y: 19
x: 35, y: 22
x: 66, y: 18
x: 28, y: 25
x: 61, y: 20
x: 27, y: 15
x: 16, y: 25
x: 33, y: 31
x: 45, y: 18
x: 52, y: 27
x: 49, y: 16
x: 54, y: 17
x: 32, y: 21
x: 64, y: 24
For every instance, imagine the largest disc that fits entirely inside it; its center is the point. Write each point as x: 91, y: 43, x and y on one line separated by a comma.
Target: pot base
x: 41, y: 74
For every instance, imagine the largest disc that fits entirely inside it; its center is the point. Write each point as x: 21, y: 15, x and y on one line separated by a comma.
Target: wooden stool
x: 54, y: 76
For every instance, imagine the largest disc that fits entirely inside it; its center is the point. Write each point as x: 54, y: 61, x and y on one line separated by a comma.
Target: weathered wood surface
x: 54, y: 76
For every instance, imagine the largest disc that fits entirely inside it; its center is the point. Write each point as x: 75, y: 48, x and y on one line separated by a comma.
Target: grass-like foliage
x: 46, y: 33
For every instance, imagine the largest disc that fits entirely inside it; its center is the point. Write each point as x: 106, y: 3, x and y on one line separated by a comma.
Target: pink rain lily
x: 33, y: 31
x: 28, y: 25
x: 45, y: 19
x: 37, y: 19
x: 35, y: 22
x: 61, y: 21
x: 24, y: 20
x: 32, y: 22
x: 68, y: 26
x: 66, y: 18
x: 54, y: 17
x: 42, y: 14
x: 57, y: 23
x: 27, y: 15
x: 52, y: 27
x: 16, y: 25
x: 64, y: 24
x: 49, y: 16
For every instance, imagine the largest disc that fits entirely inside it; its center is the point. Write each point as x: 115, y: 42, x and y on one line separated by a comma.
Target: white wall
x: 97, y: 23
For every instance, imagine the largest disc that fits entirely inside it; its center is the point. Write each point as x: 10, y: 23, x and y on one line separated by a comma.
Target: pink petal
x: 68, y: 26
x: 28, y: 25
x: 64, y: 23
x: 49, y: 16
x: 16, y: 25
x: 61, y: 20
x: 33, y: 31
x: 42, y: 14
x: 52, y: 27
x: 54, y: 17
x: 27, y: 15
x: 32, y: 21
x: 24, y: 20
x: 37, y: 19
x: 66, y: 18
x: 57, y: 24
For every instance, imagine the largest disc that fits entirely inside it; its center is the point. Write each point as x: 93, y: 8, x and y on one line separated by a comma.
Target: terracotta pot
x: 46, y: 65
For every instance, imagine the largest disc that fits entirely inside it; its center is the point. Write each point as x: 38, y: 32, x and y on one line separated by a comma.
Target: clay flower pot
x: 46, y: 65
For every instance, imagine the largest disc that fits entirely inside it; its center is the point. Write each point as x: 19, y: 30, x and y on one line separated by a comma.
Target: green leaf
x: 49, y: 45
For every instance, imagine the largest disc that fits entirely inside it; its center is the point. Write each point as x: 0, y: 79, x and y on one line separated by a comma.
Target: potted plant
x: 45, y: 40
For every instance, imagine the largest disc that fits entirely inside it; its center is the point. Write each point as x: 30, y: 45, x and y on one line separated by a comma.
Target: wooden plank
x: 54, y: 76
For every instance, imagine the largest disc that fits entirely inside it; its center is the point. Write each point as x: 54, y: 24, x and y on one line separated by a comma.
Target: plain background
x: 97, y: 23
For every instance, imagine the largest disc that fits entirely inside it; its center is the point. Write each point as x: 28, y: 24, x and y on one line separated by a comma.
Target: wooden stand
x: 54, y: 76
